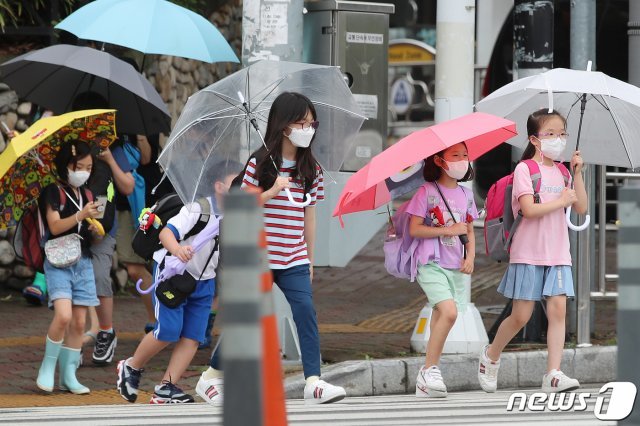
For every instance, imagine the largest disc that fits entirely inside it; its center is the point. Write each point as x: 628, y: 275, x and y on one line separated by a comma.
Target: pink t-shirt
x: 544, y: 240
x: 446, y: 251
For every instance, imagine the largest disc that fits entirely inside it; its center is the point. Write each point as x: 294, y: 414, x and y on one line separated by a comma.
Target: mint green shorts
x: 442, y: 284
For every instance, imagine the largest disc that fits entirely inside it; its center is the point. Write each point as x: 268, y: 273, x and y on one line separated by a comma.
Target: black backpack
x: 145, y: 243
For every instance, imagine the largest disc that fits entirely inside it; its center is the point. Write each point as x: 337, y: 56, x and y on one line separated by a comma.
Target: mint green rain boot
x: 69, y: 361
x: 46, y: 375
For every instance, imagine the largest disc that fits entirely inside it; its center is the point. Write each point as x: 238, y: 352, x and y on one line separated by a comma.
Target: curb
x: 596, y: 364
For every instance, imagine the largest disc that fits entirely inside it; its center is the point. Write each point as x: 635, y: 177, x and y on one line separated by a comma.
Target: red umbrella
x: 398, y: 169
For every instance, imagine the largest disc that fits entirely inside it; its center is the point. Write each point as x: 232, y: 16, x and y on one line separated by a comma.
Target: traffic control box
x: 354, y: 35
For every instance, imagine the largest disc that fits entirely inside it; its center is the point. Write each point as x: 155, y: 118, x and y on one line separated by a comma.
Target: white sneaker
x: 210, y: 390
x: 429, y: 383
x: 321, y: 392
x: 487, y: 371
x: 557, y: 381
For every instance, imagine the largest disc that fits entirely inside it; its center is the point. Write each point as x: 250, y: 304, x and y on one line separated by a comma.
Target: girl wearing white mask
x: 540, y: 261
x: 442, y: 212
x: 64, y: 207
x: 290, y: 232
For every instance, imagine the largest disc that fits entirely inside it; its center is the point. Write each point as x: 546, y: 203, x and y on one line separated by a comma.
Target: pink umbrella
x: 398, y: 169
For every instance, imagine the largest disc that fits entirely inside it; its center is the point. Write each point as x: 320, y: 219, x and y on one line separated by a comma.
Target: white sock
x: 212, y: 373
x: 129, y: 365
x: 53, y: 341
x: 312, y: 379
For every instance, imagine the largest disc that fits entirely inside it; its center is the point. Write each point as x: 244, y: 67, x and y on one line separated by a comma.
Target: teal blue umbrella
x: 151, y: 27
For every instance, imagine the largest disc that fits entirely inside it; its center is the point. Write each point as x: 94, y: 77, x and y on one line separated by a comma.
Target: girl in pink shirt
x: 540, y: 262
x: 442, y: 213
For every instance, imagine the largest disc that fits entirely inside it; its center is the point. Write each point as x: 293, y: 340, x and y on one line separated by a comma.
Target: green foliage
x: 19, y: 12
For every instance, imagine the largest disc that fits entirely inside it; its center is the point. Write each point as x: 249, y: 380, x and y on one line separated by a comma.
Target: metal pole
x: 629, y: 290
x: 242, y: 351
x: 532, y: 43
x: 583, y: 49
x: 271, y: 29
x: 602, y: 229
x: 629, y: 247
x: 455, y: 59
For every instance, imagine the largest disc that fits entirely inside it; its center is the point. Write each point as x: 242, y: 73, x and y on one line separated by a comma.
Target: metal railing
x: 584, y: 312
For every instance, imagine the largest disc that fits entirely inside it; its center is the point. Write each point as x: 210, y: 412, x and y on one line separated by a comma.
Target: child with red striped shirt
x: 291, y: 231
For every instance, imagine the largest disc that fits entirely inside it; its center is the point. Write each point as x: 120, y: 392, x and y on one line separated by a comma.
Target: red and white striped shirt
x: 284, y: 222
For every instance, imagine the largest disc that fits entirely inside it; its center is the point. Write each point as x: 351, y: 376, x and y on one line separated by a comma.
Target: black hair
x: 534, y: 124
x: 89, y: 100
x: 287, y: 108
x: 222, y: 169
x: 432, y: 171
x: 68, y: 156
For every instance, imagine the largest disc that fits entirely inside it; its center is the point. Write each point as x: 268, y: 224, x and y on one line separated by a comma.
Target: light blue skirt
x: 532, y: 282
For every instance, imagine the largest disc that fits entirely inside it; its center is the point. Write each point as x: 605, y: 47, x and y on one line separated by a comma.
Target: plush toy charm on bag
x: 148, y: 219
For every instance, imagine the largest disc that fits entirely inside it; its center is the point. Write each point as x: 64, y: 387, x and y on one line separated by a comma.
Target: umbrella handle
x: 582, y: 227
x: 147, y: 291
x: 294, y: 202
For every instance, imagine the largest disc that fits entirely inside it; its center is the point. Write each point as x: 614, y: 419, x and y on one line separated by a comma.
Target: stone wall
x: 175, y: 79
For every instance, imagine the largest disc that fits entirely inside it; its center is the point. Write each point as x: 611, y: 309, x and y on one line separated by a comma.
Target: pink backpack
x: 499, y: 223
x: 399, y: 246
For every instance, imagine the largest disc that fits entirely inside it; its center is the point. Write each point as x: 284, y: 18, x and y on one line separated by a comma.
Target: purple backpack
x: 399, y: 246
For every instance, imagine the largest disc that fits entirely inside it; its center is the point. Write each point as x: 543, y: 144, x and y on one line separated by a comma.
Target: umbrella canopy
x: 398, y: 169
x: 610, y: 128
x: 150, y: 26
x: 52, y: 77
x: 26, y: 166
x: 215, y: 125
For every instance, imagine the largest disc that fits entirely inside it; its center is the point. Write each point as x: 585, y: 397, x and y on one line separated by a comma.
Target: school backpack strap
x: 205, y: 213
x: 536, y: 178
x: 565, y: 174
x: 536, y: 182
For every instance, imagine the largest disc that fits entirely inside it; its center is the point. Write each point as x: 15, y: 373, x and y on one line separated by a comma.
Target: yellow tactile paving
x: 348, y: 328
x: 103, y: 397
x: 400, y: 320
x: 8, y: 342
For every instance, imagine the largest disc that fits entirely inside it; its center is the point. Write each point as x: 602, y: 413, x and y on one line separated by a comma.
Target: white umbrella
x: 603, y: 114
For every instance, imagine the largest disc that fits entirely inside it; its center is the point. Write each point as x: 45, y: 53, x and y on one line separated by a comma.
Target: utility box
x: 354, y: 36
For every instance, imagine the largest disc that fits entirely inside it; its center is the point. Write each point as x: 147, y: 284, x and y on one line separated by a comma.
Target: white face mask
x: 77, y: 178
x: 553, y: 148
x: 301, y: 137
x: 457, y: 169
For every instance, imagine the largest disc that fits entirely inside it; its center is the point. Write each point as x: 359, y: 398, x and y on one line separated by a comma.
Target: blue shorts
x: 533, y: 282
x: 76, y: 283
x: 187, y: 320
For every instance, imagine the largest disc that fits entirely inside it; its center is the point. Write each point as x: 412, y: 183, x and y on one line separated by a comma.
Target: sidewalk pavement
x: 518, y: 370
x: 363, y: 314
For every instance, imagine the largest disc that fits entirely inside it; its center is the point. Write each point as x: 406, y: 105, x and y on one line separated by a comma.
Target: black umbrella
x: 53, y: 76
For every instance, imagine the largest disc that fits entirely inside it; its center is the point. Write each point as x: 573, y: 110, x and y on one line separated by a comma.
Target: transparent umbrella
x: 224, y: 122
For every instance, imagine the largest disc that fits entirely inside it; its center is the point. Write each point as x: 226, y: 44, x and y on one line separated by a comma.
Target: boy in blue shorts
x: 186, y: 323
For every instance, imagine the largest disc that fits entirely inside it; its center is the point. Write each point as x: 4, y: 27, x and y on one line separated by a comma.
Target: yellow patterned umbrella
x: 26, y: 165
